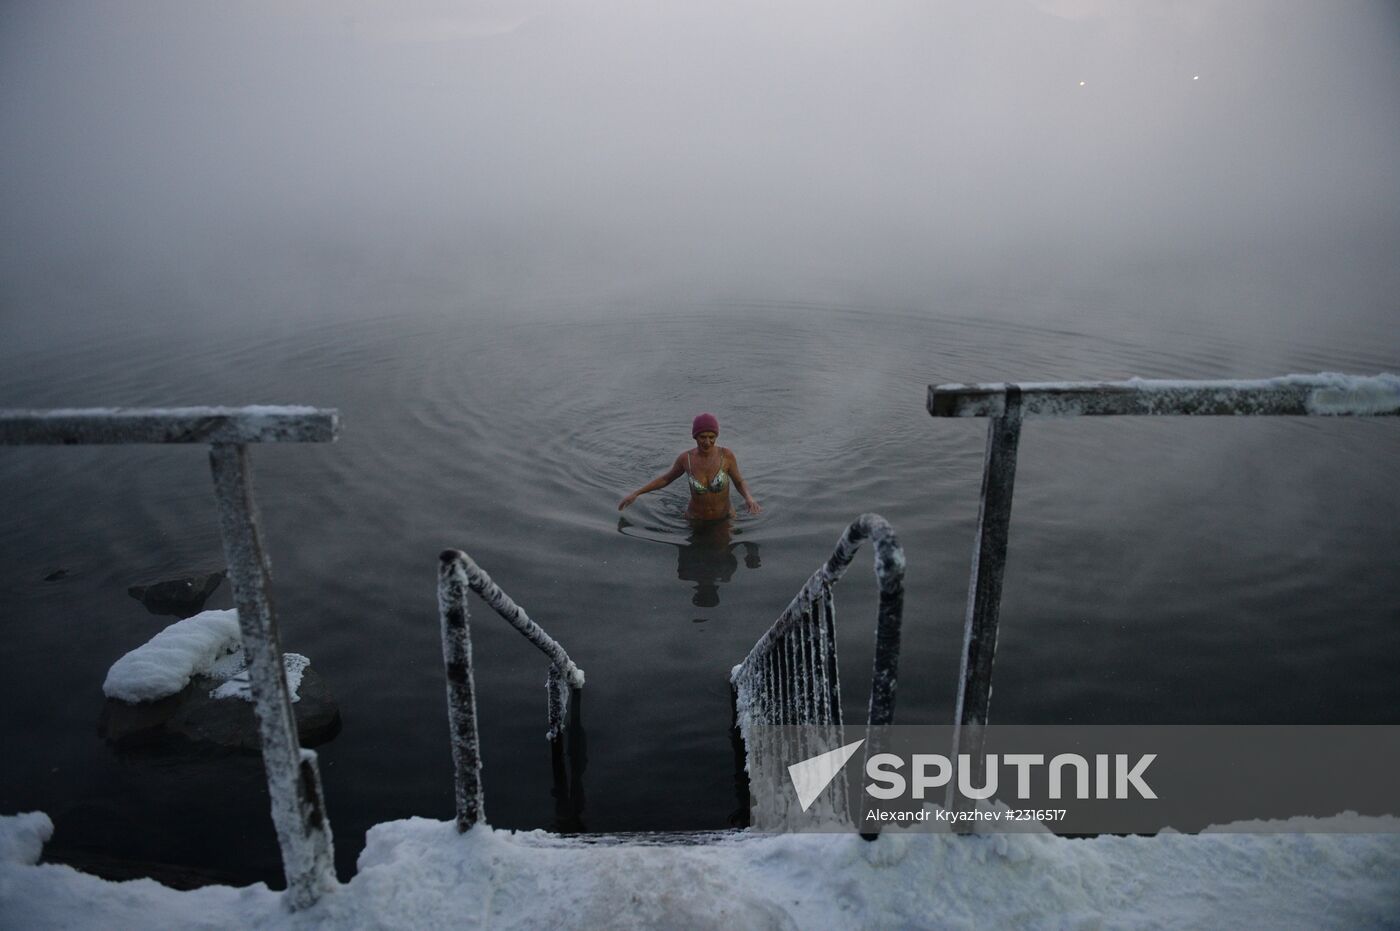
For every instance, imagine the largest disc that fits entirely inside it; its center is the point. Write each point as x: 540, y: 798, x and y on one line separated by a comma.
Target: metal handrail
x: 1006, y: 405
x: 293, y: 777
x: 790, y: 675
x: 458, y: 573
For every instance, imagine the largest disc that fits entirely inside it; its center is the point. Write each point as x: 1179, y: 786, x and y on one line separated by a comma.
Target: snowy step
x: 636, y: 839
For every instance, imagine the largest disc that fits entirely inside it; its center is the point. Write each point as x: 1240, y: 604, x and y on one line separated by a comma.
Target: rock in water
x: 228, y: 723
x: 178, y: 597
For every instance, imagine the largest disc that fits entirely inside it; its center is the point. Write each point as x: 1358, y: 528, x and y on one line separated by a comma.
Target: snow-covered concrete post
x: 461, y: 690
x: 293, y: 780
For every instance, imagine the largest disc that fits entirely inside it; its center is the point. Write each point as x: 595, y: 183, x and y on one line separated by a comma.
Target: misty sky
x: 708, y: 134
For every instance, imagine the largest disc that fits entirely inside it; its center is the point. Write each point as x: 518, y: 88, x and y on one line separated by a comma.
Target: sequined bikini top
x: 718, y: 483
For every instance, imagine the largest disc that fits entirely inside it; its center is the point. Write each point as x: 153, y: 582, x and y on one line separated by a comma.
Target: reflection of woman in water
x: 710, y: 468
x: 708, y: 560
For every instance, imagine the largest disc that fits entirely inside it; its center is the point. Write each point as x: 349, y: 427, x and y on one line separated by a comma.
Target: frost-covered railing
x: 456, y: 574
x: 1007, y: 404
x: 293, y: 778
x: 790, y: 675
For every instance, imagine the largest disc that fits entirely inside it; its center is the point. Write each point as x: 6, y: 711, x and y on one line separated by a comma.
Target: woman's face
x: 706, y: 441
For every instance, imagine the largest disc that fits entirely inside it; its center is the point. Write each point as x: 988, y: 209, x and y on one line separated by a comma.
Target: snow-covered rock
x: 164, y: 665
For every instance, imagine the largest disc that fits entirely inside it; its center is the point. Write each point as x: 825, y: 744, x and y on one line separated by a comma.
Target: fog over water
x: 539, y: 148
x: 520, y: 245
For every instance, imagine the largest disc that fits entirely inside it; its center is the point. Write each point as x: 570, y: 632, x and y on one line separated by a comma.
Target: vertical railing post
x: 775, y: 694
x: 293, y: 781
x: 825, y: 711
x: 557, y: 689
x: 461, y: 690
x: 804, y: 670
x: 984, y: 591
x: 885, y: 677
x: 833, y: 670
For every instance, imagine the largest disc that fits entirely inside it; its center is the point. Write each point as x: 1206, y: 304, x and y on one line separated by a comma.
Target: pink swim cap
x: 705, y: 423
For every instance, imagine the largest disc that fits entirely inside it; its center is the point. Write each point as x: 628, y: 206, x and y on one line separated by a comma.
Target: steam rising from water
x: 533, y: 150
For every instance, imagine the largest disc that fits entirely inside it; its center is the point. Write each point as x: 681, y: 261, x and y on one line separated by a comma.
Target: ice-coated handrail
x: 293, y: 777
x: 458, y: 573
x: 790, y: 675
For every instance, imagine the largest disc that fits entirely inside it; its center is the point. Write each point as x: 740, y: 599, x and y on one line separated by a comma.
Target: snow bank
x: 164, y: 664
x: 421, y: 873
x: 22, y: 837
x: 47, y: 896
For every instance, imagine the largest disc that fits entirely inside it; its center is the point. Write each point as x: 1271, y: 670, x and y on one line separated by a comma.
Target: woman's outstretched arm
x: 739, y: 485
x: 661, y: 481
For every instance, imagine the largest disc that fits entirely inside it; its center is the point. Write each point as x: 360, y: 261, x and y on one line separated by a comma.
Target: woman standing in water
x: 710, y: 468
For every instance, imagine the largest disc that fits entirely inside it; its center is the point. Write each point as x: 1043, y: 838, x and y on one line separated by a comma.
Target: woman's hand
x: 752, y: 505
x: 661, y: 481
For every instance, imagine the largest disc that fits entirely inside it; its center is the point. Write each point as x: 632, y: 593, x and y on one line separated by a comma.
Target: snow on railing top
x: 254, y: 424
x: 1325, y: 394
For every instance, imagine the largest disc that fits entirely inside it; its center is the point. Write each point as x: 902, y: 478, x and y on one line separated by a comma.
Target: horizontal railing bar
x: 1326, y: 394
x: 110, y: 425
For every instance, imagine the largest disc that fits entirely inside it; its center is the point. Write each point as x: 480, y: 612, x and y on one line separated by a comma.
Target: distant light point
x: 1081, y: 83
x: 1195, y: 77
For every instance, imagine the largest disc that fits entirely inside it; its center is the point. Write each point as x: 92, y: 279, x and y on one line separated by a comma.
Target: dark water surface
x: 1202, y: 571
